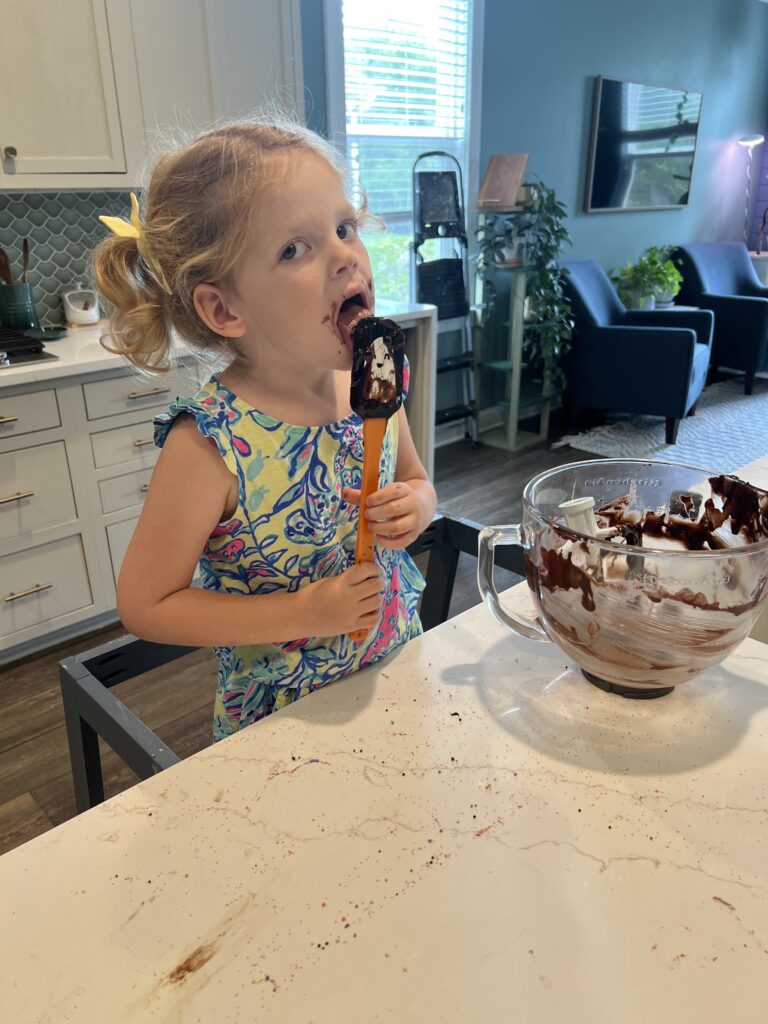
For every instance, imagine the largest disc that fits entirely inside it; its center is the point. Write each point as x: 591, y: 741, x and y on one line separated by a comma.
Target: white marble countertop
x: 80, y: 351
x: 467, y: 831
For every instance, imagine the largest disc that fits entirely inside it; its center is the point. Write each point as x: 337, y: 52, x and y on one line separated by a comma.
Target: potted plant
x: 548, y: 320
x: 667, y: 278
x: 652, y: 280
x: 635, y: 284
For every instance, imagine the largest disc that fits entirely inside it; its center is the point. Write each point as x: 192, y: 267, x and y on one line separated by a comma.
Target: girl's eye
x: 347, y: 230
x: 294, y: 250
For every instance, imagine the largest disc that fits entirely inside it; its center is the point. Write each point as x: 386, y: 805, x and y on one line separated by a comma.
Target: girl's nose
x: 344, y: 257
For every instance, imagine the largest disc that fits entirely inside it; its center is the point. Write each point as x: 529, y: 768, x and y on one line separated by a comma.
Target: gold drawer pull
x: 144, y: 488
x: 16, y: 497
x: 149, y: 394
x: 141, y: 443
x: 8, y: 419
x: 25, y: 593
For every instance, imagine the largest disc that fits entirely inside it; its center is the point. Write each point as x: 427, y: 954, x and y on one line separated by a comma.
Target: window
x: 405, y: 90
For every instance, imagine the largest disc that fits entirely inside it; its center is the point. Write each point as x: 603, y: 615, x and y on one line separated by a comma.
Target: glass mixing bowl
x: 638, y: 620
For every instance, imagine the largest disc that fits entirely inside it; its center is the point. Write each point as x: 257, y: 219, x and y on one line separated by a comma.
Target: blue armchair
x: 650, y: 363
x: 720, y: 276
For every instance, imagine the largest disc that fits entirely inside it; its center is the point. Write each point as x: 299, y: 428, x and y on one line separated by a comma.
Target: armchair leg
x: 749, y: 382
x: 672, y: 425
x: 692, y: 410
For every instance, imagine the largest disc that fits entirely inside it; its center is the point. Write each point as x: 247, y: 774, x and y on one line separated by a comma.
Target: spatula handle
x: 373, y: 438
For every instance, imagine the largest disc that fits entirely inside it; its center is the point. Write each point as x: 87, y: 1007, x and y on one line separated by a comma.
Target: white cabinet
x: 59, y: 110
x: 201, y: 60
x: 44, y: 587
x: 76, y: 457
x: 35, y: 490
x: 88, y: 83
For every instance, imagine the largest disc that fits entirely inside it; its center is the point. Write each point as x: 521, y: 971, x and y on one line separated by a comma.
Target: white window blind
x: 406, y: 85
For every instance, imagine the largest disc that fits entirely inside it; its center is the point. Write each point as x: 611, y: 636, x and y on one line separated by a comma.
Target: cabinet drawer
x: 42, y: 583
x: 127, y: 394
x: 124, y: 444
x: 35, y: 490
x: 21, y: 414
x: 119, y: 537
x: 124, y: 491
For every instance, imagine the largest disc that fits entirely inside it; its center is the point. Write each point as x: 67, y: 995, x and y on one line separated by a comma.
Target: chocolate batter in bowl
x: 644, y: 573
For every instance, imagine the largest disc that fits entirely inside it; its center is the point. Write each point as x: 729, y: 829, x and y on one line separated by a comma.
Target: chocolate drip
x: 560, y: 573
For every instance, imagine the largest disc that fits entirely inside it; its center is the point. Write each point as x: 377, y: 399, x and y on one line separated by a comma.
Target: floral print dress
x: 290, y: 528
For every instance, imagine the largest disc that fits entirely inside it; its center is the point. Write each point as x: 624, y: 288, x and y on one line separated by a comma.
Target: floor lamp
x: 749, y: 142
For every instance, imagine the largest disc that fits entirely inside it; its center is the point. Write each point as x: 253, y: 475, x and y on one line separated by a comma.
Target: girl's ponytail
x: 138, y: 329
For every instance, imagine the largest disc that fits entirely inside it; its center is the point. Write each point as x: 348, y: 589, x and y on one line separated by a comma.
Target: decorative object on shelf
x: 502, y: 181
x: 526, y: 195
x: 749, y: 142
x: 653, y: 280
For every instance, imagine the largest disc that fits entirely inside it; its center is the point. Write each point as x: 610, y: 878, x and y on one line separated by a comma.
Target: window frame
x: 336, y: 97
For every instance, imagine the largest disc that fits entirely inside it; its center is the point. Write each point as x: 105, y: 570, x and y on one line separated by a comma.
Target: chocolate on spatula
x: 378, y: 348
x: 376, y: 393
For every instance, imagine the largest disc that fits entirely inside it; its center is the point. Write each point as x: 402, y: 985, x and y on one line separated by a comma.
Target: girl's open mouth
x: 352, y: 310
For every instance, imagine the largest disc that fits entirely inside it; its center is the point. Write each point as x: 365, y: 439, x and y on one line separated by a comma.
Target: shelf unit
x: 523, y: 400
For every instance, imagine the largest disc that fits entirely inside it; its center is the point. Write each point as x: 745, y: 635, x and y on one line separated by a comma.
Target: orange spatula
x: 376, y: 394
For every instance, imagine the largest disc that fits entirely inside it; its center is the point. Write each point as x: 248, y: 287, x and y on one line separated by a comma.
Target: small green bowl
x: 46, y: 333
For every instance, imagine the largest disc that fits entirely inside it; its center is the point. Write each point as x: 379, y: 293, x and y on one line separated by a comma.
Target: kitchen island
x: 467, y: 831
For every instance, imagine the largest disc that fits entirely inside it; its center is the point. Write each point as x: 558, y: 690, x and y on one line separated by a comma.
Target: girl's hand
x: 395, y: 514
x: 341, y: 604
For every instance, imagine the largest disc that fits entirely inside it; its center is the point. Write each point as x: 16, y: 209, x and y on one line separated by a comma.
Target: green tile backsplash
x: 62, y: 228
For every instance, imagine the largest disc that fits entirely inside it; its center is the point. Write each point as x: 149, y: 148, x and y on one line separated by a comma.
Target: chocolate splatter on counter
x: 191, y: 964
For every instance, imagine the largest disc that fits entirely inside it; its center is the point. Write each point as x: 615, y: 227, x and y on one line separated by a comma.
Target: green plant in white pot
x: 636, y: 284
x: 653, y: 280
x: 667, y: 278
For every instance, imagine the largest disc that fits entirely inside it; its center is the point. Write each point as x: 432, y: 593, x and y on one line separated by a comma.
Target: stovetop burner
x: 17, y: 348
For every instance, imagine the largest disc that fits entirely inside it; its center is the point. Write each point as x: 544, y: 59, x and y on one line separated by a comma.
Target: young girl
x: 249, y: 241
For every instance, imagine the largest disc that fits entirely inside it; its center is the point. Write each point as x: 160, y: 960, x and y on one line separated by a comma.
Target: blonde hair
x: 196, y: 223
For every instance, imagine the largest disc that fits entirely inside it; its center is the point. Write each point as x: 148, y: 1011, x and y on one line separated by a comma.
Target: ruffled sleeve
x: 213, y: 418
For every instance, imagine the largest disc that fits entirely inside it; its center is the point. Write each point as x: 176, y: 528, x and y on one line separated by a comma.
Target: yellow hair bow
x: 132, y: 229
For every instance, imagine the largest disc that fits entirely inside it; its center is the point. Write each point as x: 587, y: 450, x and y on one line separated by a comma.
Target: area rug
x: 729, y: 430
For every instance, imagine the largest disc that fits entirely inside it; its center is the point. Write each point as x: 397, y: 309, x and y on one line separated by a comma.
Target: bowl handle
x: 487, y: 541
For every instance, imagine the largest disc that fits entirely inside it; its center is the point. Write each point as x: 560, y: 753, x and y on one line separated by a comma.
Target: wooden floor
x: 483, y: 484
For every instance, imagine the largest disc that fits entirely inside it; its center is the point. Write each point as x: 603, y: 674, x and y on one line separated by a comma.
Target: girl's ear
x: 214, y: 309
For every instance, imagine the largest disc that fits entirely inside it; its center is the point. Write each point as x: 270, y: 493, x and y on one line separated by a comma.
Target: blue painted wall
x: 539, y: 64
